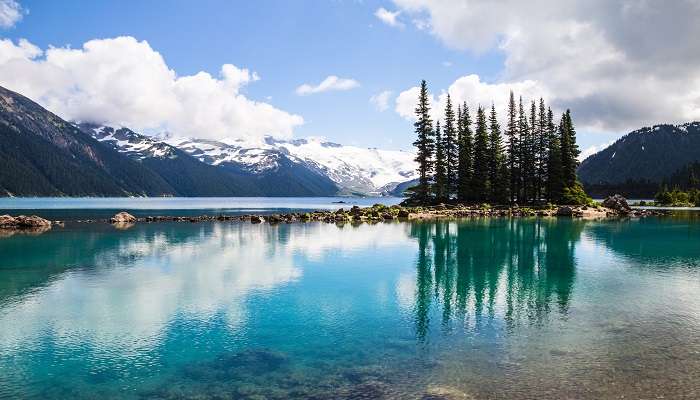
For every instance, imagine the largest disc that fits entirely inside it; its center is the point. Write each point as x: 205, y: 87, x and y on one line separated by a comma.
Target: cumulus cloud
x: 381, y: 100
x: 332, y: 82
x: 618, y: 64
x: 388, y: 17
x: 474, y: 92
x: 124, y: 82
x: 10, y: 13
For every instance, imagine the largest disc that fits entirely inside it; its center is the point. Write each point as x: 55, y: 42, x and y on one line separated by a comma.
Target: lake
x: 476, y: 308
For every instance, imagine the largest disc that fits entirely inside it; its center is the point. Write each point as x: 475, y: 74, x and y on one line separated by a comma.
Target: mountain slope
x: 195, y: 176
x: 354, y: 170
x: 43, y: 155
x: 648, y: 154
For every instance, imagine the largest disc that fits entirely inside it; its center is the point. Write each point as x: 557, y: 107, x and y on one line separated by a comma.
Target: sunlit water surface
x: 489, y: 308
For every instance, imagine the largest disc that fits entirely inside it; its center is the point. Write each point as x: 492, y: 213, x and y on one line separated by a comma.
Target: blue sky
x: 290, y: 43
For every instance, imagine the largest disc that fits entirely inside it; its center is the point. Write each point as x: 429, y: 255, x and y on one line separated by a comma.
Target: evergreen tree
x: 555, y: 183
x: 425, y: 144
x: 496, y: 158
x: 525, y: 167
x: 543, y: 147
x: 465, y: 167
x: 480, y: 179
x: 513, y: 152
x: 440, y: 182
x: 569, y: 150
x: 534, y: 154
x: 451, y: 149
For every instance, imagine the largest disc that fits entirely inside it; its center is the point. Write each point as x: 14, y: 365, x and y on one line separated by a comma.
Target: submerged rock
x: 123, y: 218
x: 444, y: 393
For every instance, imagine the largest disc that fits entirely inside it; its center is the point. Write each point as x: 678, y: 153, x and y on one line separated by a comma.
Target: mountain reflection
x: 469, y: 273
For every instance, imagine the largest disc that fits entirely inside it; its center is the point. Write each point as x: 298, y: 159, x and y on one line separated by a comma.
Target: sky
x: 348, y: 70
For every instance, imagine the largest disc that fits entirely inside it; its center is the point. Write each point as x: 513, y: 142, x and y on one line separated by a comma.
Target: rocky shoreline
x: 612, y: 207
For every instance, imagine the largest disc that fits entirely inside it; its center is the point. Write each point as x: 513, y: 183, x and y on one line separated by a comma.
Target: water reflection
x: 474, y: 271
x: 487, y: 307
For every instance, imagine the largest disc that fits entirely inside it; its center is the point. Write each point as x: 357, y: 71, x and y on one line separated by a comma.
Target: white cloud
x: 122, y: 81
x: 332, y: 82
x: 617, y: 64
x: 10, y: 13
x: 381, y: 100
x: 388, y: 17
x: 474, y: 92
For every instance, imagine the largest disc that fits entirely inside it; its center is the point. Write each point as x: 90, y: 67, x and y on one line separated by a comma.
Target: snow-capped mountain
x: 354, y: 170
x: 129, y: 142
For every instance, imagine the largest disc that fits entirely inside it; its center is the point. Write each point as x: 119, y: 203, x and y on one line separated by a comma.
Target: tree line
x: 468, y: 161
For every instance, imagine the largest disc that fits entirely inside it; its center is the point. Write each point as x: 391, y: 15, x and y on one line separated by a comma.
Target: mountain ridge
x: 647, y: 154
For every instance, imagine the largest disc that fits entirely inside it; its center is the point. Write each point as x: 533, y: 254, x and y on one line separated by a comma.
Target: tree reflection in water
x: 474, y: 271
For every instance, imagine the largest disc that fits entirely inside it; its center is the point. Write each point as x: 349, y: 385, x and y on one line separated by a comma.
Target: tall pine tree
x: 480, y: 179
x: 542, y: 146
x: 466, y: 169
x: 425, y: 144
x: 555, y: 180
x: 513, y: 152
x: 569, y: 150
x: 496, y: 158
x: 440, y: 182
x: 525, y: 167
x: 451, y: 149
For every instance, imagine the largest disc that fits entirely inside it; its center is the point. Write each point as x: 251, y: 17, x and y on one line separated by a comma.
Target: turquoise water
x: 72, y: 208
x: 483, y: 308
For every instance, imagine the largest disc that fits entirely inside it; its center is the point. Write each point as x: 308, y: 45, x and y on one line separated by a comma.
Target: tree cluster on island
x: 469, y: 162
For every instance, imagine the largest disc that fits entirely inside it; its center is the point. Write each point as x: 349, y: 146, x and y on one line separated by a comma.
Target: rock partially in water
x: 23, y: 222
x: 564, y: 211
x: 123, y: 218
x: 617, y: 203
x: 256, y: 219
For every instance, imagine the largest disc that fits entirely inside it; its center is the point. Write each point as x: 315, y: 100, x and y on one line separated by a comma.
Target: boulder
x: 564, y: 211
x: 256, y: 219
x: 617, y: 203
x: 403, y: 213
x: 123, y: 218
x: 31, y: 221
x: 7, y: 221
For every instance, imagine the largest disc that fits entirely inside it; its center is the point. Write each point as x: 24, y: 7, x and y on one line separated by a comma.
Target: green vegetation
x: 536, y: 166
x: 677, y: 197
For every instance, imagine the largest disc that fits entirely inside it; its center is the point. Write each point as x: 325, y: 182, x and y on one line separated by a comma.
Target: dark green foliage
x: 465, y: 161
x: 480, y: 181
x: 641, y: 189
x: 498, y: 172
x: 513, y: 152
x: 569, y: 150
x: 526, y: 156
x: 678, y: 197
x: 450, y: 148
x: 543, y: 138
x: 687, y: 177
x: 440, y: 189
x: 575, y: 195
x: 555, y: 180
x: 539, y: 162
x: 425, y: 144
